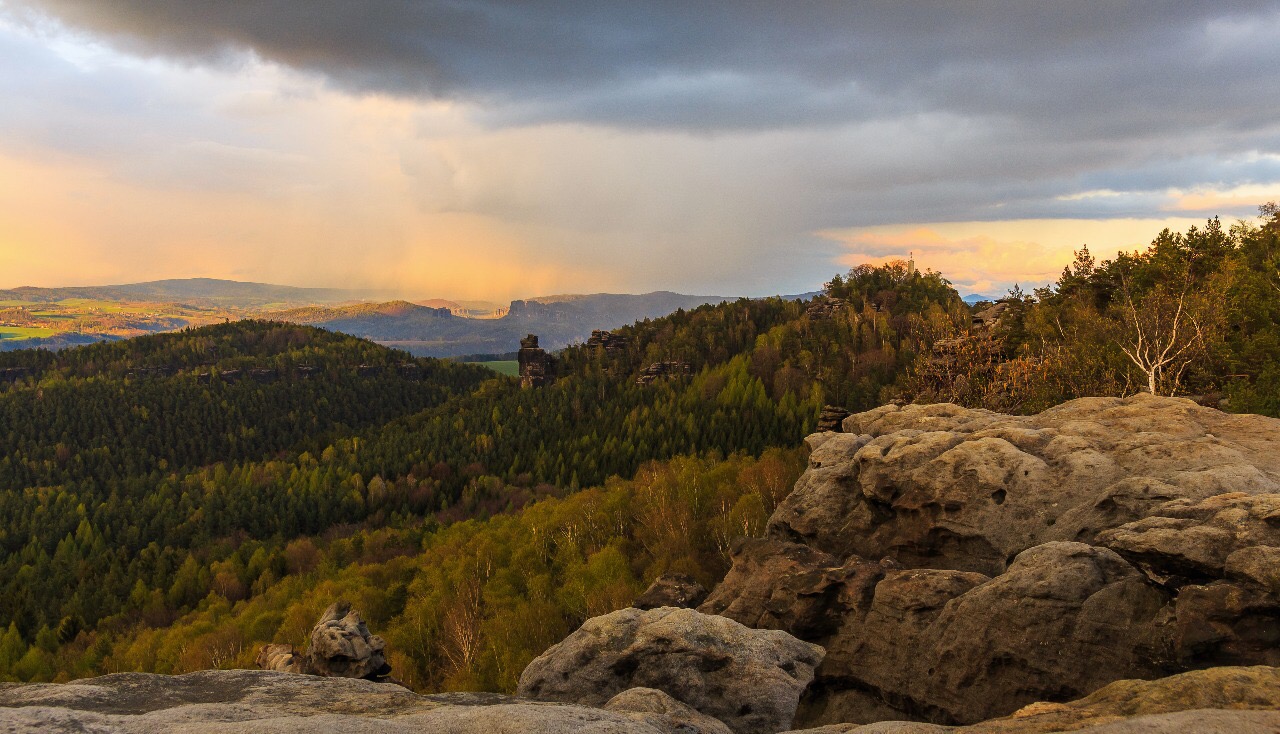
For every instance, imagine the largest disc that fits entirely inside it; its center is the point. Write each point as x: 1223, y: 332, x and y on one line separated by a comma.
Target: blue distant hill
x: 973, y: 298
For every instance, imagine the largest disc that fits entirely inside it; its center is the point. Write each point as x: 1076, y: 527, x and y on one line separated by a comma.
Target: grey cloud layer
x: 1113, y: 68
x: 808, y: 115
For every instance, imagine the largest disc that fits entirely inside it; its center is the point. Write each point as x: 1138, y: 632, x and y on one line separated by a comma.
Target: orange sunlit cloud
x: 992, y: 256
x: 1213, y: 200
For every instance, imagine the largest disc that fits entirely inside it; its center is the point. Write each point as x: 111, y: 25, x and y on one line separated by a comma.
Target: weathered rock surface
x: 341, y: 646
x: 1226, y: 700
x: 1186, y: 540
x: 832, y: 418
x: 959, y: 564
x: 947, y: 487
x: 749, y: 679
x: 281, y: 659
x: 225, y: 701
x: 672, y: 590
x: 670, y: 712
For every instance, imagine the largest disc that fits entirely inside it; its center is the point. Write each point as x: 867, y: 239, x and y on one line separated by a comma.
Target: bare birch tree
x: 1164, y: 334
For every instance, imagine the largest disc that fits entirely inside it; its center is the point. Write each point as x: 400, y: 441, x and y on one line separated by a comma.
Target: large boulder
x: 749, y: 679
x: 234, y: 701
x: 672, y: 590
x: 942, y: 486
x: 341, y: 646
x: 670, y: 711
x: 958, y: 646
x: 959, y: 564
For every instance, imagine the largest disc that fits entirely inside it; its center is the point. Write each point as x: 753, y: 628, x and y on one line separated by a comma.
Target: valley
x: 174, y: 501
x: 55, y: 318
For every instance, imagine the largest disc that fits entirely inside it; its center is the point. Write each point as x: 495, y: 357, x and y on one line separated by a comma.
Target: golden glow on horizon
x: 118, y: 167
x: 977, y: 256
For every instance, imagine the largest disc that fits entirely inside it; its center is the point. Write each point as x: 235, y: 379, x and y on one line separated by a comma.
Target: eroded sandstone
x: 749, y: 679
x: 959, y: 564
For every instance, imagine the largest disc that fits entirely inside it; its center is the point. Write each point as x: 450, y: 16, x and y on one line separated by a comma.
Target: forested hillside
x: 172, y: 502
x: 145, y: 478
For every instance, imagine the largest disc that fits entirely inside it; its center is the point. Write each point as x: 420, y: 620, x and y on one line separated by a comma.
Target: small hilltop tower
x: 911, y: 263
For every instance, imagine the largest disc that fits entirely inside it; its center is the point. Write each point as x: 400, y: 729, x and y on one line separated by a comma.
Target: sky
x: 506, y: 149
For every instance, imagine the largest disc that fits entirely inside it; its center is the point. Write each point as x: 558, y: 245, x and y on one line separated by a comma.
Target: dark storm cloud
x: 1112, y: 69
x: 720, y: 135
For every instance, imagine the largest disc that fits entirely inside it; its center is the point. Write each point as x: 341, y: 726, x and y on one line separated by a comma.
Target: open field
x: 25, y: 332
x: 87, y: 304
x: 510, y: 367
x: 25, y: 320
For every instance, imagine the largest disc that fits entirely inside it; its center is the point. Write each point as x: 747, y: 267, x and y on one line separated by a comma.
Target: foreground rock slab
x: 749, y: 679
x: 225, y: 701
x: 1220, y: 700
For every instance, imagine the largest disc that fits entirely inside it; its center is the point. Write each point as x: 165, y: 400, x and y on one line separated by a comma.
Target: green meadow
x: 506, y: 367
x: 24, y: 332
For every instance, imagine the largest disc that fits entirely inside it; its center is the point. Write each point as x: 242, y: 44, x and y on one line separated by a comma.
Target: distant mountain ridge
x: 436, y: 332
x: 434, y: 327
x: 206, y: 290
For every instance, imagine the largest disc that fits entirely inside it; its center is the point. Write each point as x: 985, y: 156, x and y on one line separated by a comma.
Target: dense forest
x: 174, y: 501
x: 142, y: 478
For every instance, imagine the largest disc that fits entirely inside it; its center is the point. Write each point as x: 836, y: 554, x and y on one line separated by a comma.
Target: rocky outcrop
x: 946, y: 487
x: 536, y: 366
x: 281, y: 659
x: 669, y: 711
x: 672, y: 590
x: 1244, y: 700
x: 664, y: 370
x: 607, y: 341
x: 1235, y: 700
x: 832, y: 419
x: 226, y: 701
x: 959, y: 564
x: 341, y: 646
x: 825, y: 307
x: 749, y: 679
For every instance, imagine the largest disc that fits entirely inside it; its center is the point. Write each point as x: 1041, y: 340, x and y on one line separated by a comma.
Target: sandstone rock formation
x: 825, y: 307
x: 832, y: 419
x: 670, y: 711
x: 536, y: 366
x: 749, y: 679
x: 226, y: 701
x: 281, y: 659
x: 664, y: 370
x: 1227, y: 700
x: 959, y: 564
x: 672, y: 590
x: 341, y: 646
x: 607, y: 341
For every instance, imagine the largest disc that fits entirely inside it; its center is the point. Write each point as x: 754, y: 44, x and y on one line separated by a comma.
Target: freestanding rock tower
x: 535, y: 365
